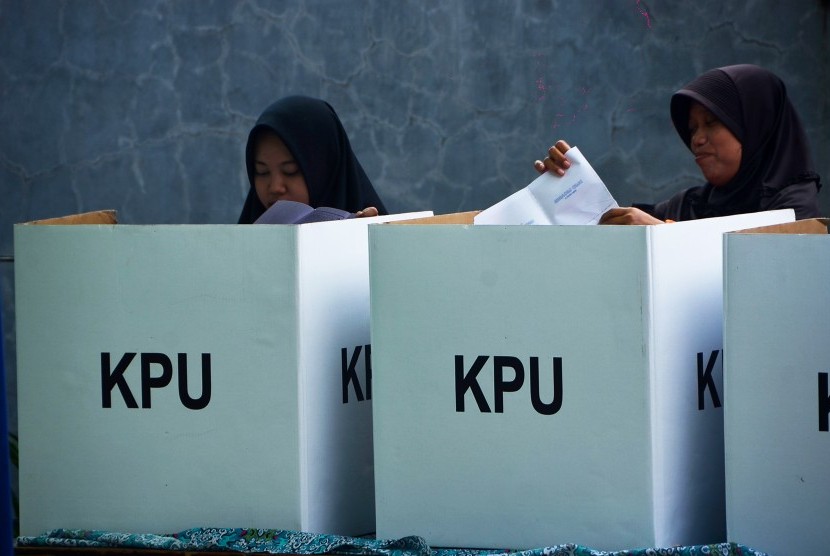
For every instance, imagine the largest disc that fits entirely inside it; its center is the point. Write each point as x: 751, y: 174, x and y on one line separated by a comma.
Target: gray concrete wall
x: 144, y: 105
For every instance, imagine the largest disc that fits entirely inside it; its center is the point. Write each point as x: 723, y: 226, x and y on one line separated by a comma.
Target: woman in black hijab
x: 773, y: 168
x: 298, y: 150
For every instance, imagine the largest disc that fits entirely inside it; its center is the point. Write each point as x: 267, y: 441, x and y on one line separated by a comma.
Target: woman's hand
x: 628, y: 216
x: 555, y: 161
x: 366, y: 213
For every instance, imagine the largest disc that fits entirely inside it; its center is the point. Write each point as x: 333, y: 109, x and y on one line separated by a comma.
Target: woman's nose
x: 698, y: 137
x: 277, y: 185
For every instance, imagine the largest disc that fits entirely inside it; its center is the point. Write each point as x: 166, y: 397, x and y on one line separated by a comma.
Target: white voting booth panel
x: 776, y: 366
x: 176, y: 376
x: 539, y: 385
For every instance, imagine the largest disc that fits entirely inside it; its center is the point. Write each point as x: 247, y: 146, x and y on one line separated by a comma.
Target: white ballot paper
x: 578, y: 197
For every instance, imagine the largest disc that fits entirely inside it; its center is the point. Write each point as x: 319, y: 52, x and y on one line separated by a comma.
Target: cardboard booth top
x: 453, y: 218
x: 95, y: 217
x: 810, y: 226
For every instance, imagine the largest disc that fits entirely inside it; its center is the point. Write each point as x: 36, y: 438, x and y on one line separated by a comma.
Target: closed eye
x: 290, y: 169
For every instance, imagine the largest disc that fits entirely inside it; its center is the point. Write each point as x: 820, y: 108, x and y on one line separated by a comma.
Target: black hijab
x: 315, y: 136
x: 776, y: 169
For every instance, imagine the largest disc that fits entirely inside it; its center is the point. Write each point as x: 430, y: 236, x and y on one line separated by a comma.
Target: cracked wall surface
x: 144, y: 106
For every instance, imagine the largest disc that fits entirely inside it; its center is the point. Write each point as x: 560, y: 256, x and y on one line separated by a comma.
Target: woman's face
x: 277, y: 176
x: 717, y: 152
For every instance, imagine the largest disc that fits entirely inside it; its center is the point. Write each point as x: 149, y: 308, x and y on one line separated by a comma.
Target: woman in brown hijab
x: 747, y: 140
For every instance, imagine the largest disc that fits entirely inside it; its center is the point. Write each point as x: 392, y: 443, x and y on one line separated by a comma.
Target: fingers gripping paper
x: 578, y: 197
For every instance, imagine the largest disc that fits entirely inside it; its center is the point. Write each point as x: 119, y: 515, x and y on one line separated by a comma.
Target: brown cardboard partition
x: 95, y: 217
x: 453, y: 218
x: 811, y: 226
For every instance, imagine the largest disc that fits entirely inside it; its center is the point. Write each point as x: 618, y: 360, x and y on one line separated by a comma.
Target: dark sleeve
x: 678, y: 207
x: 648, y: 209
x: 801, y: 197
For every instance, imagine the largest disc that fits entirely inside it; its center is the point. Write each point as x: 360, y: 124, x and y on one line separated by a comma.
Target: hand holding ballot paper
x: 557, y: 162
x: 578, y: 197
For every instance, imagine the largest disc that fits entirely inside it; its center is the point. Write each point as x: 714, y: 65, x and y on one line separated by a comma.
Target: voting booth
x: 6, y: 539
x: 540, y: 385
x: 776, y: 366
x: 175, y: 376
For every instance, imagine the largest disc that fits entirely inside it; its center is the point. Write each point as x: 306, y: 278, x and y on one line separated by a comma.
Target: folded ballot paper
x: 578, y: 197
x: 292, y: 212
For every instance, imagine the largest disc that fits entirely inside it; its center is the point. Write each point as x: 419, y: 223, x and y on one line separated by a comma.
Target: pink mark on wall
x: 541, y: 86
x: 573, y: 106
x: 565, y: 103
x: 644, y: 12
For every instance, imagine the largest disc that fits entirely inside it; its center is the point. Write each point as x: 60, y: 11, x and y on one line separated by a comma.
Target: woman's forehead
x: 270, y: 145
x: 697, y: 110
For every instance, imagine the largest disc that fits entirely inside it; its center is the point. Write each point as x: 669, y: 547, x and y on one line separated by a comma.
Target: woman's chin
x: 716, y: 179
